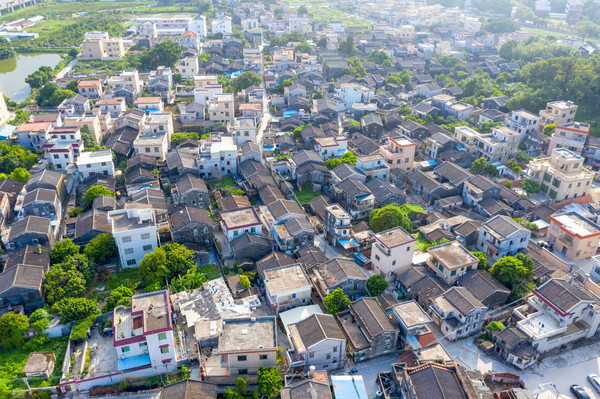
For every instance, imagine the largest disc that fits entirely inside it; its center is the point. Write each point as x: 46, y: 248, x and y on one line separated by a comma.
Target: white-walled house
x: 287, y: 287
x: 143, y: 333
x: 392, y: 252
x: 317, y: 341
x: 95, y: 163
x: 237, y: 222
x: 502, y: 236
x: 135, y: 233
x: 221, y: 25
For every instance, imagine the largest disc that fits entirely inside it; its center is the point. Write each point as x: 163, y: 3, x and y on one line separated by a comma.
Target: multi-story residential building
x: 99, y: 46
x: 205, y: 94
x: 523, y: 122
x: 498, y: 146
x: 479, y: 188
x: 236, y: 222
x: 331, y: 147
x: 340, y: 273
x: 354, y: 197
x: 369, y: 331
x: 127, y: 84
x: 316, y: 341
x: 221, y: 108
x: 558, y: 112
x: 373, y: 167
x: 450, y: 261
x: 246, y: 344
x: 90, y: 88
x: 399, y: 153
x: 63, y: 146
x: 113, y: 106
x: 160, y: 84
x: 337, y: 225
x: 573, y: 11
x: 93, y: 163
x: 143, y: 333
x: 187, y: 67
x: 287, y: 287
x: 152, y: 145
x: 571, y: 135
x: 221, y: 25
x: 502, y: 236
x: 135, y: 233
x: 42, y: 202
x: 562, y: 175
x: 392, y: 252
x: 33, y: 135
x: 164, y: 26
x: 573, y: 235
x: 190, y: 40
x: 411, y: 320
x: 458, y: 313
x: 558, y: 312
x: 352, y: 93
x: 202, y: 81
x: 217, y: 158
x: 149, y: 104
x: 244, y: 131
x: 159, y: 123
x: 198, y: 25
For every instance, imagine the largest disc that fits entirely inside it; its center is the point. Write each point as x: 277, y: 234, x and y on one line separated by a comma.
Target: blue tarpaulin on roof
x: 289, y: 114
x: 349, y: 243
x: 349, y: 387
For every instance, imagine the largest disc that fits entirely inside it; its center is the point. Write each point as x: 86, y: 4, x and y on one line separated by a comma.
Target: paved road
x: 66, y: 69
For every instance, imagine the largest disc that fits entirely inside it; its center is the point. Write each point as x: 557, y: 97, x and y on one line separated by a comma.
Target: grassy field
x: 306, y: 195
x: 326, y: 14
x: 54, y: 10
x: 211, y: 271
x: 129, y: 277
x: 13, y: 361
x: 95, y: 66
x: 224, y: 183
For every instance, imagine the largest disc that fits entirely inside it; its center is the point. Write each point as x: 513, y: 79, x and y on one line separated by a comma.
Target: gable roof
x: 453, y: 173
x: 189, y: 389
x: 562, y: 296
x: 481, y: 284
x: 317, y: 328
x: 503, y: 226
x: 371, y: 316
x: 337, y: 270
x: 436, y: 381
x: 462, y: 300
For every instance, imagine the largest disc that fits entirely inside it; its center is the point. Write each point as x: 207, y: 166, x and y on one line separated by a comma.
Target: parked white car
x: 595, y: 381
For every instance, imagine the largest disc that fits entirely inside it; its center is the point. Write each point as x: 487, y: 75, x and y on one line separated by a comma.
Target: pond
x: 13, y: 72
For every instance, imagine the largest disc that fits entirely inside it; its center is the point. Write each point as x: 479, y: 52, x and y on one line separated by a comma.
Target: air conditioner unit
x: 444, y: 275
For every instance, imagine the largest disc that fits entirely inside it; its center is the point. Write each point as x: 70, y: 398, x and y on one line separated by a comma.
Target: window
x: 143, y: 344
x: 131, y: 262
x: 126, y: 239
x: 125, y: 349
x: 441, y: 268
x: 243, y: 371
x: 128, y: 251
x: 334, y: 349
x: 242, y: 358
x: 328, y: 356
x: 263, y: 357
x: 311, y: 354
x: 145, y: 236
x: 235, y: 233
x: 393, y: 263
x: 147, y: 248
x: 377, y: 257
x: 164, y: 349
x: 162, y: 336
x: 407, y: 249
x: 453, y: 273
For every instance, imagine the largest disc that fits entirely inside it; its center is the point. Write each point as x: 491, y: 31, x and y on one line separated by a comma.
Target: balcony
x: 566, y: 240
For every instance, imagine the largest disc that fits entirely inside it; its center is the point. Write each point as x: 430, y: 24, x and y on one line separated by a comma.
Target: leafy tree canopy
x: 93, y: 192
x: 336, y: 301
x: 377, y: 285
x: 101, y: 248
x: 63, y: 250
x: 12, y: 330
x: 389, y: 217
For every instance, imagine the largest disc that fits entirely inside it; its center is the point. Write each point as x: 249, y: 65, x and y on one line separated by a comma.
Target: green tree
x: 163, y: 54
x: 347, y: 47
x: 62, y: 283
x: 12, y: 330
x: 269, y: 383
x: 80, y: 263
x: 527, y: 261
x: 73, y: 309
x: 336, y: 301
x: 377, y: 285
x: 510, y: 271
x: 15, y: 156
x: 322, y: 43
x: 333, y: 163
x: 40, y: 77
x: 152, y: 267
x: 483, y: 263
x: 239, y: 391
x: 72, y: 85
x: 491, y: 170
x: 585, y: 29
x: 549, y: 129
x: 302, y: 10
x: 245, y: 80
x: 317, y: 95
x: 20, y: 174
x: 389, y: 217
x: 500, y: 25
x: 88, y: 139
x: 6, y: 50
x: 349, y: 158
x: 119, y: 296
x: 495, y: 326
x: 189, y: 281
x: 93, y: 192
x: 179, y: 259
x: 39, y: 314
x: 40, y: 326
x: 245, y: 281
x: 63, y: 250
x: 101, y: 248
x: 177, y: 138
x: 531, y: 186
x: 478, y: 166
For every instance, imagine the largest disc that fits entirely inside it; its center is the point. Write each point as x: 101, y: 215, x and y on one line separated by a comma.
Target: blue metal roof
x: 133, y: 362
